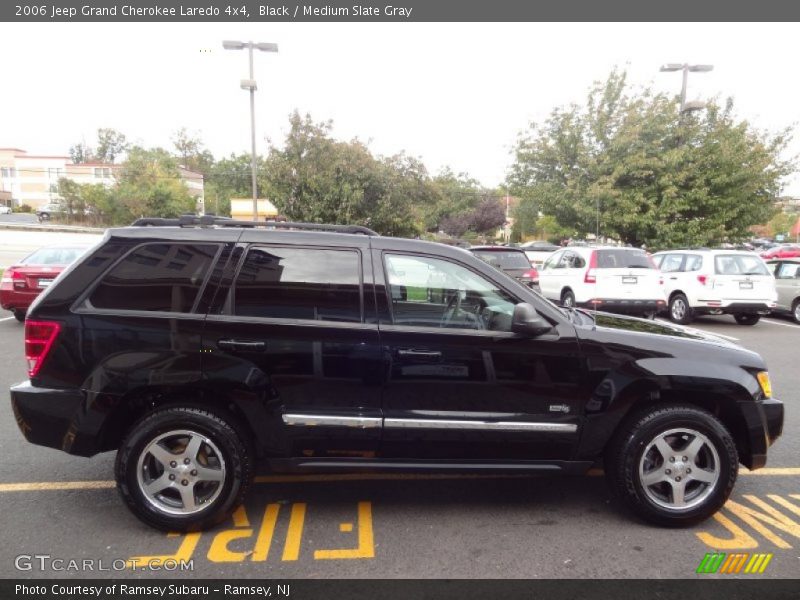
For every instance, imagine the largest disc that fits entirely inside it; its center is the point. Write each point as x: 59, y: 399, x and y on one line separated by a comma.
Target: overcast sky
x: 452, y: 94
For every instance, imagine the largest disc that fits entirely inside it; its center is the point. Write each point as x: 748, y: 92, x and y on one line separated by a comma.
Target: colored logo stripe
x: 738, y: 562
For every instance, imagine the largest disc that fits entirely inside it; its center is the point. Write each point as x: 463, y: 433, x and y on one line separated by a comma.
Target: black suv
x: 196, y: 346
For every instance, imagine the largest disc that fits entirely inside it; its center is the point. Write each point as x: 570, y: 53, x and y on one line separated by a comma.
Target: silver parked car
x: 787, y: 282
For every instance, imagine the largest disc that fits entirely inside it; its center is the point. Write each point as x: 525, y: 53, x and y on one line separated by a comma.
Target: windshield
x: 504, y: 259
x: 54, y: 256
x: 622, y: 259
x: 739, y: 264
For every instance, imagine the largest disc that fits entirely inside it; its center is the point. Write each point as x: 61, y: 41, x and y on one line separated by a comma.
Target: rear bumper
x: 52, y: 418
x: 17, y: 300
x: 625, y: 305
x: 764, y: 421
x: 730, y: 306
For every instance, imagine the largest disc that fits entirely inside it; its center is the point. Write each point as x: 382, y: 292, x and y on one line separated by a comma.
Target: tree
x: 110, y: 144
x: 81, y: 153
x: 150, y: 185
x: 488, y: 215
x: 659, y: 177
x: 191, y: 152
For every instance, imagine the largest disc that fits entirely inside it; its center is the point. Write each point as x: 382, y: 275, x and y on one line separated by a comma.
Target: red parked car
x: 21, y: 283
x: 782, y: 251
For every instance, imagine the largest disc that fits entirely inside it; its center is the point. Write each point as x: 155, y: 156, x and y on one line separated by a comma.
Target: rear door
x: 623, y: 273
x: 743, y: 278
x: 787, y: 281
x: 295, y: 334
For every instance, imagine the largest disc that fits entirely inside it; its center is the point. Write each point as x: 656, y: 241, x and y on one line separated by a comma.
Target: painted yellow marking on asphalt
x: 764, y: 519
x: 345, y: 527
x: 739, y: 537
x: 219, y: 552
x: 291, y: 549
x: 265, y: 534
x: 366, y: 542
x: 38, y: 486
x: 182, y: 556
x: 56, y: 485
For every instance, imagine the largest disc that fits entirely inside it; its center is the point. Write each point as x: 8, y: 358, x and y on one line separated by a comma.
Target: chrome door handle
x: 242, y: 345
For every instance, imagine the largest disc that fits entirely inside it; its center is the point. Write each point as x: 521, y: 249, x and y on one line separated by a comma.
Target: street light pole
x: 686, y: 68
x: 250, y: 84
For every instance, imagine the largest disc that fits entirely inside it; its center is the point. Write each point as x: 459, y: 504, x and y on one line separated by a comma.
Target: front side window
x: 671, y: 263
x: 430, y: 292
x: 299, y: 283
x: 156, y: 277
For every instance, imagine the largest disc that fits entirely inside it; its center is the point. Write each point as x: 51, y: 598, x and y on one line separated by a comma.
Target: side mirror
x: 527, y: 321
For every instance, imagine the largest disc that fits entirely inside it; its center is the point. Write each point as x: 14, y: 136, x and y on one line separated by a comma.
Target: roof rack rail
x: 212, y: 220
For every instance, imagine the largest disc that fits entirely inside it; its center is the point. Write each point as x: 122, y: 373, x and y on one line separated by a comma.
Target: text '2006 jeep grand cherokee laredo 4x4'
x: 197, y: 345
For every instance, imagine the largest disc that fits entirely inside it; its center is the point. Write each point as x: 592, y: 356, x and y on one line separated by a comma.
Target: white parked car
x: 716, y: 282
x: 538, y: 251
x: 5, y: 210
x: 620, y: 280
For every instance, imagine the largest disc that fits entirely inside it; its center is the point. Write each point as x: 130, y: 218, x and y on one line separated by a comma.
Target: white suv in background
x: 610, y: 279
x: 716, y: 282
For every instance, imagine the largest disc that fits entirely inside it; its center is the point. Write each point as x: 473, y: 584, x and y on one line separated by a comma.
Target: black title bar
x: 398, y: 10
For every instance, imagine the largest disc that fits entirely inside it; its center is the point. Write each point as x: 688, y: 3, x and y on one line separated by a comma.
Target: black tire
x: 746, y: 319
x: 19, y: 315
x: 567, y: 298
x: 679, y: 309
x: 228, y: 438
x: 796, y: 310
x: 626, y: 454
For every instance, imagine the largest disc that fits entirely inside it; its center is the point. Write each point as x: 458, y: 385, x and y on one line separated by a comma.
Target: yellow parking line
x: 38, y: 486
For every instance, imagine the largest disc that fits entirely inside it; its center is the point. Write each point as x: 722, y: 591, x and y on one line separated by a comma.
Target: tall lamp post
x: 250, y: 84
x: 687, y: 68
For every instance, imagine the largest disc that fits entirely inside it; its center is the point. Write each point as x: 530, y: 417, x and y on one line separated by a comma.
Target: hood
x: 633, y: 324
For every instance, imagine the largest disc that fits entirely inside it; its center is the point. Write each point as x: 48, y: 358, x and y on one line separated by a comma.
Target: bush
x: 24, y: 208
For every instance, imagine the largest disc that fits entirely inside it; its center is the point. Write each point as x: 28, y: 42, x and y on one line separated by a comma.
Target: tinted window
x: 437, y: 293
x: 622, y: 259
x: 789, y: 271
x: 739, y: 264
x: 504, y: 259
x: 156, y: 277
x: 53, y: 256
x: 300, y: 283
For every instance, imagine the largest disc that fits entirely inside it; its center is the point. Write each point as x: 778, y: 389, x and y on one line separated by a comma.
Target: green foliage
x: 660, y: 178
x: 81, y: 153
x: 110, y: 144
x: 24, y: 208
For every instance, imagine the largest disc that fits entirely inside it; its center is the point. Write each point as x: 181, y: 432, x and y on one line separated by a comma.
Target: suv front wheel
x: 184, y: 469
x: 673, y: 465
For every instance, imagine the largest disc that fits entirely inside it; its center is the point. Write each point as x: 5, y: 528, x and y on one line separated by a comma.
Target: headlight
x: 765, y: 383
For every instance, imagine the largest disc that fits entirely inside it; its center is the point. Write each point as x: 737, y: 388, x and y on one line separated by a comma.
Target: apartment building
x: 33, y: 179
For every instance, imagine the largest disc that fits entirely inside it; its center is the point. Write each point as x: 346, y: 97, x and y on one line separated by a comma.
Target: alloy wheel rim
x: 181, y: 472
x: 679, y: 469
x: 678, y: 308
x: 568, y: 300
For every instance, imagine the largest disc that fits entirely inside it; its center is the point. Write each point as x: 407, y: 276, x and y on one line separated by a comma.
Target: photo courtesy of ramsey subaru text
x: 197, y: 347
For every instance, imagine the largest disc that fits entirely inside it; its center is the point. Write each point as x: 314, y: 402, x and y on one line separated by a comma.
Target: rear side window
x: 694, y: 262
x: 299, y: 283
x: 622, y: 259
x: 671, y: 263
x: 739, y: 264
x: 156, y: 277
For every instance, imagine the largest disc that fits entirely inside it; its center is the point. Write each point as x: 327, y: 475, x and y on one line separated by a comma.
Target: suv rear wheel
x: 679, y: 309
x: 796, y: 310
x: 184, y: 469
x: 746, y: 319
x: 673, y: 465
x: 567, y: 299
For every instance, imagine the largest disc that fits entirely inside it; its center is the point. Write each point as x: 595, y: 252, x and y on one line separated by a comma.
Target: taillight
x: 12, y: 278
x: 531, y: 274
x: 39, y: 339
x: 590, y: 276
x: 702, y: 279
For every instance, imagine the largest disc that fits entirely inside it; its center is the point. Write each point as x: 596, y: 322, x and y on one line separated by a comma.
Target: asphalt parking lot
x: 384, y: 526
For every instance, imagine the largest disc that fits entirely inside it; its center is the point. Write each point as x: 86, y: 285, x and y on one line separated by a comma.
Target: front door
x: 460, y: 385
x: 290, y: 335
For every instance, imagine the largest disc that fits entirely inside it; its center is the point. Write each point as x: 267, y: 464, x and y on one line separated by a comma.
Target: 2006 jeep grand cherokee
x: 196, y: 346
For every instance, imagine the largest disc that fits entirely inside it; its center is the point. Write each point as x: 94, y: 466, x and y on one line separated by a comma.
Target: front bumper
x: 764, y: 421
x: 54, y: 418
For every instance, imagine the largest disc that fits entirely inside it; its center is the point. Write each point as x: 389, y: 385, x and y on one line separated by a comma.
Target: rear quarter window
x: 156, y: 277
